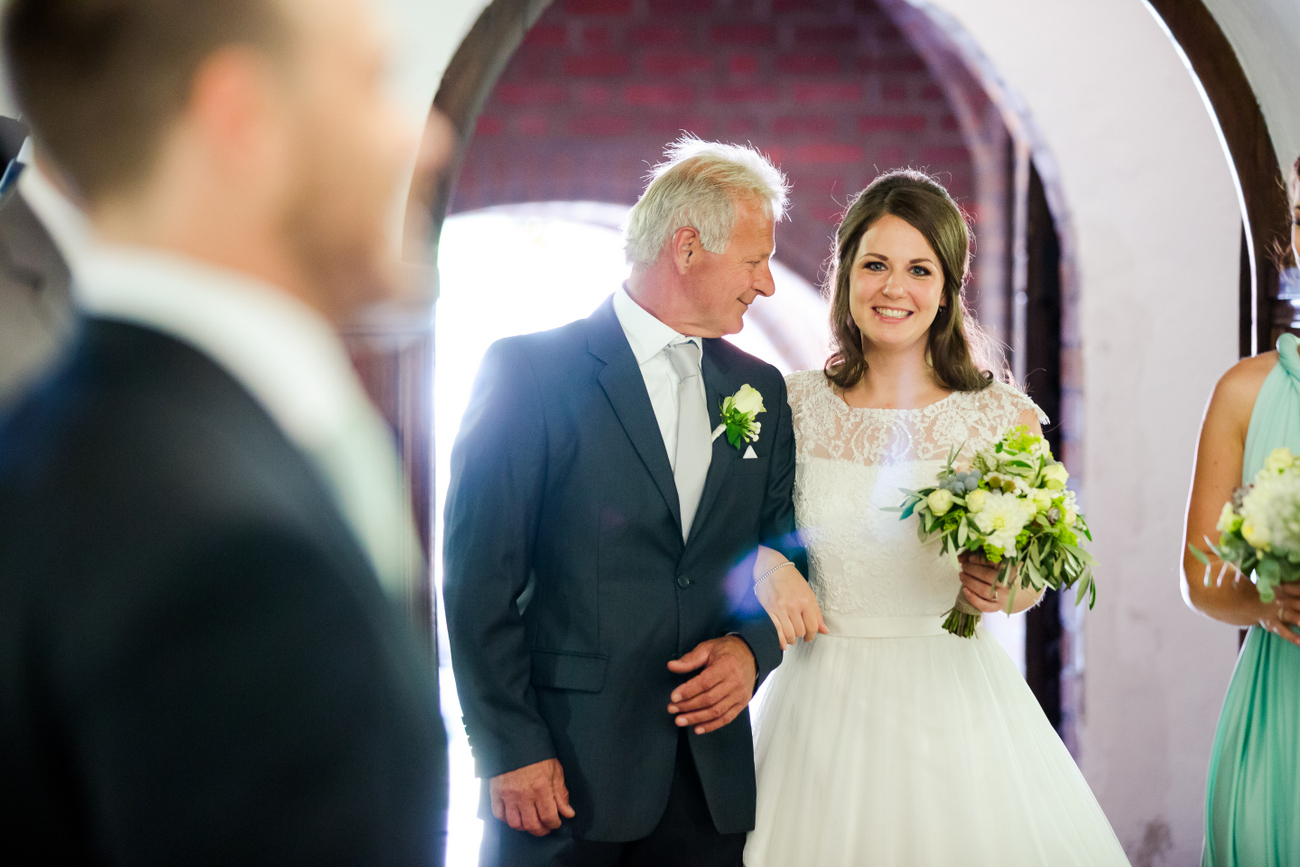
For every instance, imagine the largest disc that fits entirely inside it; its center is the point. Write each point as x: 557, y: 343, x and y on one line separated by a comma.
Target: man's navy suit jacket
x: 197, y: 662
x: 568, y: 585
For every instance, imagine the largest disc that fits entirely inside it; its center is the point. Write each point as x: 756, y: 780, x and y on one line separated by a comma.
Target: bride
x: 890, y: 741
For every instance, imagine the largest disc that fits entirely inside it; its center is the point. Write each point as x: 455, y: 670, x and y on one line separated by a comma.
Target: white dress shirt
x: 289, y: 358
x: 648, y: 338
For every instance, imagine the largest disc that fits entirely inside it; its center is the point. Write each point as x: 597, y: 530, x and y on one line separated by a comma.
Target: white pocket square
x: 749, y: 453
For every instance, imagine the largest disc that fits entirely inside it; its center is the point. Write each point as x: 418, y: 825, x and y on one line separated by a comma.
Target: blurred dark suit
x: 197, y: 662
x: 36, y: 310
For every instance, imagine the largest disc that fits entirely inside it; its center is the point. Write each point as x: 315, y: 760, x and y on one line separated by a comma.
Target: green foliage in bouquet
x: 1013, y: 507
x: 1260, y: 527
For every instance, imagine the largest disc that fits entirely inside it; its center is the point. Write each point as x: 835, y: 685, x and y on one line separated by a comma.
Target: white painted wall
x: 425, y: 35
x: 1157, y: 229
x: 1266, y: 36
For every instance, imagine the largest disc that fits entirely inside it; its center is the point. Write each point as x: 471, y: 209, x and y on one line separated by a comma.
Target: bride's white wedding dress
x: 889, y: 741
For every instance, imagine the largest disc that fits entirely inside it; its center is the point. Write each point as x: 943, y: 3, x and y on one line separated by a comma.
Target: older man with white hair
x: 611, y: 483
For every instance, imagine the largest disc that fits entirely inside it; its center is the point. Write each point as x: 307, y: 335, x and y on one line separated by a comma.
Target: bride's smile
x: 895, y: 288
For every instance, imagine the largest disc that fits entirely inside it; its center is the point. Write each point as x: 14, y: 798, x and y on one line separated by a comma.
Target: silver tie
x: 694, y: 444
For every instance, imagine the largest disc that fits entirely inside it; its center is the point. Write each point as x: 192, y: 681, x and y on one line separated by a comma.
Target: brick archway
x: 833, y: 91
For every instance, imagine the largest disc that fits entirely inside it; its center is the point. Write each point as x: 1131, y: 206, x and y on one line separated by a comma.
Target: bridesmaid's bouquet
x: 1013, y: 507
x: 1260, y: 527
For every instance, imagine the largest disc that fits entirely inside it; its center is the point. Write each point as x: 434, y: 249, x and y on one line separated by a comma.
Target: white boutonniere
x: 738, y: 413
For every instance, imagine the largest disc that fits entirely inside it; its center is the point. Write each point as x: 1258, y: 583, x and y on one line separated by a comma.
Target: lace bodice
x: 851, y: 465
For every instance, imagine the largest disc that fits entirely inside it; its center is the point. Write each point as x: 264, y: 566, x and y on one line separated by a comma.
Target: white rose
x: 1042, y: 500
x: 975, y: 500
x: 748, y: 400
x: 940, y: 502
x: 1055, y: 475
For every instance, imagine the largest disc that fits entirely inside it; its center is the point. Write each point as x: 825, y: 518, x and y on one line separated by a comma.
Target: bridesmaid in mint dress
x: 1252, y: 814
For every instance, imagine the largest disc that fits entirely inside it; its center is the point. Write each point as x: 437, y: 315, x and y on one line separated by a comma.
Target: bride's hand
x: 979, y: 580
x: 788, y: 600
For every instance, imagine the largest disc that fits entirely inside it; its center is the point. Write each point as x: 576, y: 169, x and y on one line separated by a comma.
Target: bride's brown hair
x: 959, y: 351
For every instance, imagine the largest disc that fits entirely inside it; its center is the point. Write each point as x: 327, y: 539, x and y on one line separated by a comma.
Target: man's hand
x: 718, y: 694
x: 532, y: 798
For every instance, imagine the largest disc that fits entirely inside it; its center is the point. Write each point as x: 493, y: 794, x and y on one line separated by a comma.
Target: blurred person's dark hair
x: 1282, y: 250
x: 101, y: 81
x: 1293, y: 184
x: 1293, y: 195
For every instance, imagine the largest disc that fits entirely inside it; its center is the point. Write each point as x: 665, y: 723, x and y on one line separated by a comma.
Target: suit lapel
x: 625, y: 387
x: 719, y: 382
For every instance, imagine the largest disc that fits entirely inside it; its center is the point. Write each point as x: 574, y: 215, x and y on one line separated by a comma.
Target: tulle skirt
x: 920, y: 750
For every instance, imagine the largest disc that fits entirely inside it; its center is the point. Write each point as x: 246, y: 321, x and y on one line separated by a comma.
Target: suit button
x: 683, y: 582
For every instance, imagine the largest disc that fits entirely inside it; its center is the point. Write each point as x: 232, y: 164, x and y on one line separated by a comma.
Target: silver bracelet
x: 770, y: 571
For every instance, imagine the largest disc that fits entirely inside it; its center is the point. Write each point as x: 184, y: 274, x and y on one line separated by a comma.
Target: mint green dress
x: 1252, y: 799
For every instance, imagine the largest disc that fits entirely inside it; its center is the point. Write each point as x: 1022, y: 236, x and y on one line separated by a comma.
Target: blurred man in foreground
x: 200, y: 512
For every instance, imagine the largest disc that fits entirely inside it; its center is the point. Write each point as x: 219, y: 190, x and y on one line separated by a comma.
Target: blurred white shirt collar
x: 289, y: 357
x: 286, y: 354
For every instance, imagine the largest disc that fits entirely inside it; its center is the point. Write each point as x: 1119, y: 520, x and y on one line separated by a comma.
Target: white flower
x: 940, y: 502
x: 1042, y: 500
x: 1279, y: 460
x: 975, y: 500
x: 748, y: 400
x: 1229, y: 520
x: 738, y: 413
x: 1002, y: 519
x: 1055, y: 476
x: 1256, y: 534
x: 1270, y: 511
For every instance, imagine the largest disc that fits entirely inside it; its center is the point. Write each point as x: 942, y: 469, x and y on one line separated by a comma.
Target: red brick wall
x: 829, y: 88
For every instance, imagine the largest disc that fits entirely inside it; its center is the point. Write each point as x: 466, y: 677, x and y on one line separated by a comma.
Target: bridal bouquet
x: 1260, y: 526
x: 1012, y: 506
